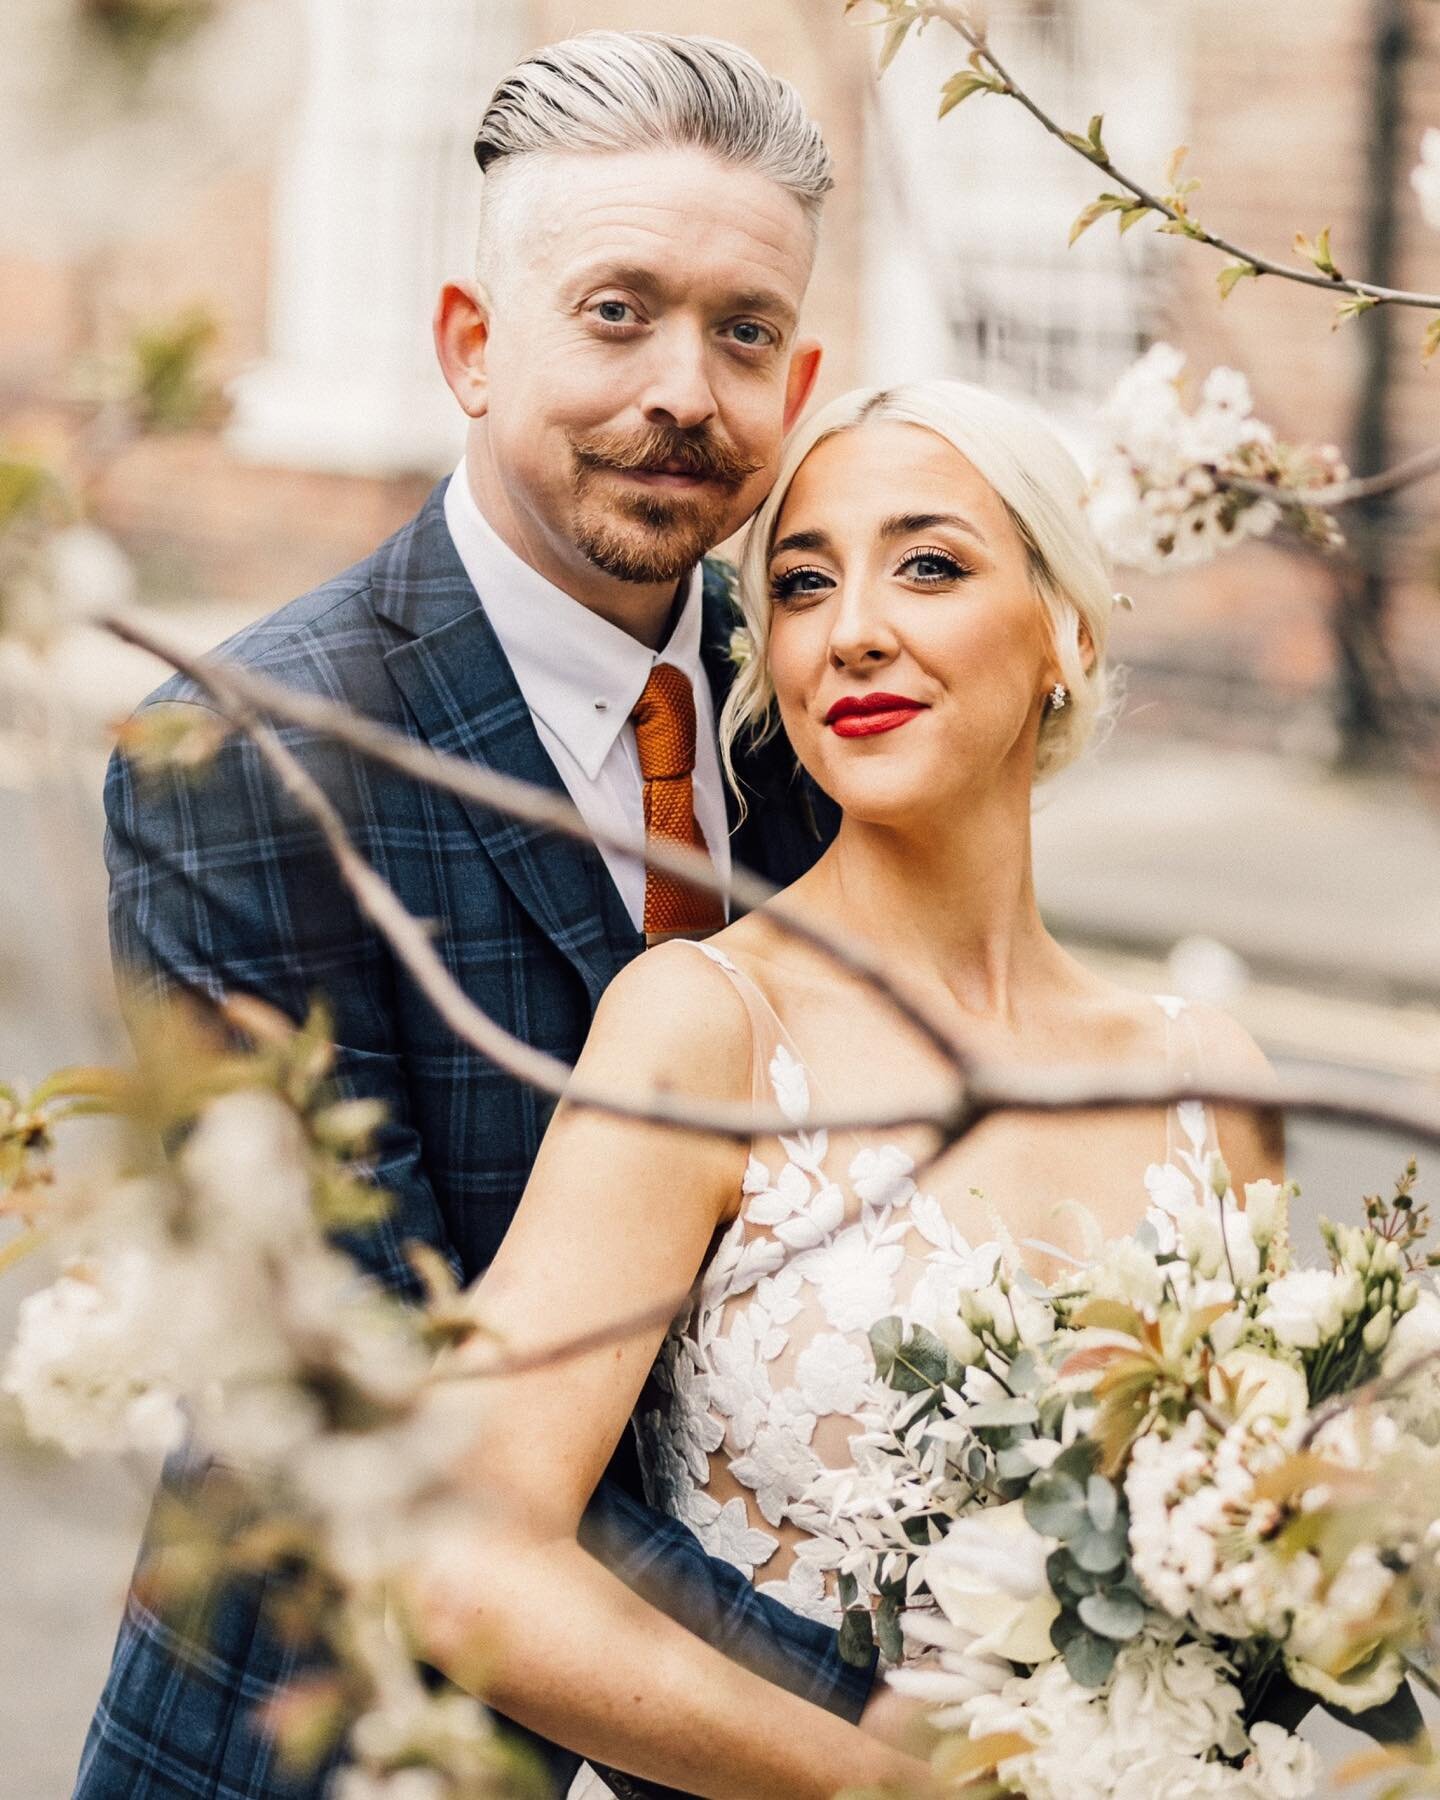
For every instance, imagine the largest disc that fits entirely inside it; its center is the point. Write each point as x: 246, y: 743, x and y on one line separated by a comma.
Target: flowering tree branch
x: 1344, y: 493
x: 987, y: 74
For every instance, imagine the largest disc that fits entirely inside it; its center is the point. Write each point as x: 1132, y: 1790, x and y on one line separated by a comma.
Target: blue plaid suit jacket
x: 222, y: 886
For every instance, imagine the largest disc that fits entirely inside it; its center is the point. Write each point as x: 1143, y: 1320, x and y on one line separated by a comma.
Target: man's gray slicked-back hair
x: 651, y: 90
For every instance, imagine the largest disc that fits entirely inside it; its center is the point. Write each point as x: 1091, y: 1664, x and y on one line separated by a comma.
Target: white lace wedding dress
x: 759, y: 1389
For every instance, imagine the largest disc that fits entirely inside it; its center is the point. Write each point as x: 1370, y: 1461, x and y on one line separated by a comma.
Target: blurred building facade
x: 944, y: 252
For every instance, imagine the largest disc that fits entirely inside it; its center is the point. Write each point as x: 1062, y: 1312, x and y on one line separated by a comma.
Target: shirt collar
x: 578, y: 673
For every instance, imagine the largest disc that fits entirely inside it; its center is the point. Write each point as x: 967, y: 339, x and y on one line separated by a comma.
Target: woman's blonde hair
x: 1043, y: 491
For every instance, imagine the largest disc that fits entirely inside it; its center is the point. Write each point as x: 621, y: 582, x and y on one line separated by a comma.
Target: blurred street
x: 1310, y: 881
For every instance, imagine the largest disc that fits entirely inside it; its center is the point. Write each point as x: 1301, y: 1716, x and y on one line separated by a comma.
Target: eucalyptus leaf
x: 886, y: 1336
x: 1055, y: 1505
x: 1101, y: 1502
x: 1099, y: 1551
x: 1090, y: 1659
x: 857, y: 1640
x: 887, y: 1625
x: 1068, y: 1581
x: 1113, y: 1613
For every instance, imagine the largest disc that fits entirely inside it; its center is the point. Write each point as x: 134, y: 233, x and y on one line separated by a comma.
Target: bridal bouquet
x: 1125, y: 1528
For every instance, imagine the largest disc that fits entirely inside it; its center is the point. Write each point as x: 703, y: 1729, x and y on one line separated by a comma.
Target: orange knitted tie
x: 664, y: 719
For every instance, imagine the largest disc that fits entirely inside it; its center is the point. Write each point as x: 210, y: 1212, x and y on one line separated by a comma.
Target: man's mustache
x: 678, y: 452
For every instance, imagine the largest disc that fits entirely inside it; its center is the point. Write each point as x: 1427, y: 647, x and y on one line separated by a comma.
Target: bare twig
x: 1370, y: 1393
x: 232, y: 684
x: 410, y: 941
x: 981, y: 1091
x: 959, y: 21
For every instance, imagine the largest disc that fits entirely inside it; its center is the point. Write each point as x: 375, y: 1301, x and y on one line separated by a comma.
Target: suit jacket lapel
x: 466, y: 702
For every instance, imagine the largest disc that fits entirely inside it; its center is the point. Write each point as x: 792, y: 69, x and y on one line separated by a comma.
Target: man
x: 628, y: 358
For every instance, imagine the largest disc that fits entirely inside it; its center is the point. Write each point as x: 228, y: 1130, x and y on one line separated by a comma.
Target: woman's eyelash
x: 786, y: 585
x: 954, y: 568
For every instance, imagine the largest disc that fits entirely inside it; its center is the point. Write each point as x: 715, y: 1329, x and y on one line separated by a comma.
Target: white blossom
x: 1309, y: 1306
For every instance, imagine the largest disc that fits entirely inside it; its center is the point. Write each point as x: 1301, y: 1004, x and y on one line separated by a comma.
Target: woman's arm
x: 616, y: 1218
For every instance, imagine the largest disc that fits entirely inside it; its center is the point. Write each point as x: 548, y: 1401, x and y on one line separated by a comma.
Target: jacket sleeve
x: 219, y: 886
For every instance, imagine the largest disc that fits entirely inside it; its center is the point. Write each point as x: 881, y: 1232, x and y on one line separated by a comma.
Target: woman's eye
x: 792, y: 584
x: 933, y: 567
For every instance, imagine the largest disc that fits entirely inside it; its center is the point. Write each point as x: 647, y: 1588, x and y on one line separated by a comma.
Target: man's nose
x: 678, y: 392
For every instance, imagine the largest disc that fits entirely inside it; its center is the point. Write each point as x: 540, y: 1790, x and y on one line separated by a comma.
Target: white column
x: 376, y: 204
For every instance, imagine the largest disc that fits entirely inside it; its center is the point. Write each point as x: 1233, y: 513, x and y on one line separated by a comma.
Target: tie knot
x: 664, y: 719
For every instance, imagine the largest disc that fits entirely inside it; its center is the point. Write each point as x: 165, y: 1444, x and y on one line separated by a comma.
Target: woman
x: 928, y: 611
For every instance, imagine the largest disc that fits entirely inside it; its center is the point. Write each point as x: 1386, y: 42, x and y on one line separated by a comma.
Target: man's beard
x: 649, y: 538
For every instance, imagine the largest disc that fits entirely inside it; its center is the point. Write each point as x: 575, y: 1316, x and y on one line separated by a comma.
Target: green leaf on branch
x: 1092, y: 144
x: 1352, y: 309
x: 1232, y: 274
x: 1317, y: 251
x: 961, y: 87
x: 896, y: 33
x: 1132, y: 215
x: 1097, y: 209
x: 1430, y: 343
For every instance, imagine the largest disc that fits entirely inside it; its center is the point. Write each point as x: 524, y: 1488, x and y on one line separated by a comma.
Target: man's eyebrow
x: 800, y: 540
x: 764, y: 300
x: 906, y: 524
x: 636, y: 275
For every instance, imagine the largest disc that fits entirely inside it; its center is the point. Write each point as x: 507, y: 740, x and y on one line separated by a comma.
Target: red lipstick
x: 866, y: 715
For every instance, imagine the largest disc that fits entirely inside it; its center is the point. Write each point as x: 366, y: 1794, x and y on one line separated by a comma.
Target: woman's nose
x: 860, y: 633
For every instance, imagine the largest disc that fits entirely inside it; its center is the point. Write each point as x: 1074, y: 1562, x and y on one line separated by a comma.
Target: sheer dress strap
x: 775, y: 1056
x: 1189, y: 1125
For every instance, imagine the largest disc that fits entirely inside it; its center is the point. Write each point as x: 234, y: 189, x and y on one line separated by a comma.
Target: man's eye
x: 613, y: 312
x: 753, y: 335
x: 790, y: 584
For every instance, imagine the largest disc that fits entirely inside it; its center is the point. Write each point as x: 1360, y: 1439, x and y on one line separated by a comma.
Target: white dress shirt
x: 581, y: 677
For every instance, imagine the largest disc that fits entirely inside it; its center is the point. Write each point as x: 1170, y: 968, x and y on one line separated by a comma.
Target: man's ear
x: 462, y: 336
x: 800, y: 381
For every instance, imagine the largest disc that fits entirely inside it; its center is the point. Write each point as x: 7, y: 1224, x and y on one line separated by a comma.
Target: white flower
x: 1425, y: 177
x: 1266, y: 1385
x: 881, y: 1177
x: 247, y: 1163
x: 792, y: 1090
x: 1367, y: 1684
x: 855, y: 1278
x: 988, y: 1577
x: 832, y: 1373
x: 1129, y: 1273
x: 1286, y: 1767
x: 1181, y: 1695
x: 1266, y: 1205
x: 1309, y: 1306
x: 91, y: 1367
x: 1416, y: 1335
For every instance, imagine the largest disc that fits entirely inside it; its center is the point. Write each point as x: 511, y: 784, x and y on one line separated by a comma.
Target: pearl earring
x: 1059, y: 696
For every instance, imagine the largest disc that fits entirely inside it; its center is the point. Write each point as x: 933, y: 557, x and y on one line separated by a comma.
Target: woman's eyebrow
x: 800, y: 540
x: 905, y: 524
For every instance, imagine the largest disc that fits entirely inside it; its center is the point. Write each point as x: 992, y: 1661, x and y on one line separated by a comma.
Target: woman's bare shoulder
x: 674, y: 1017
